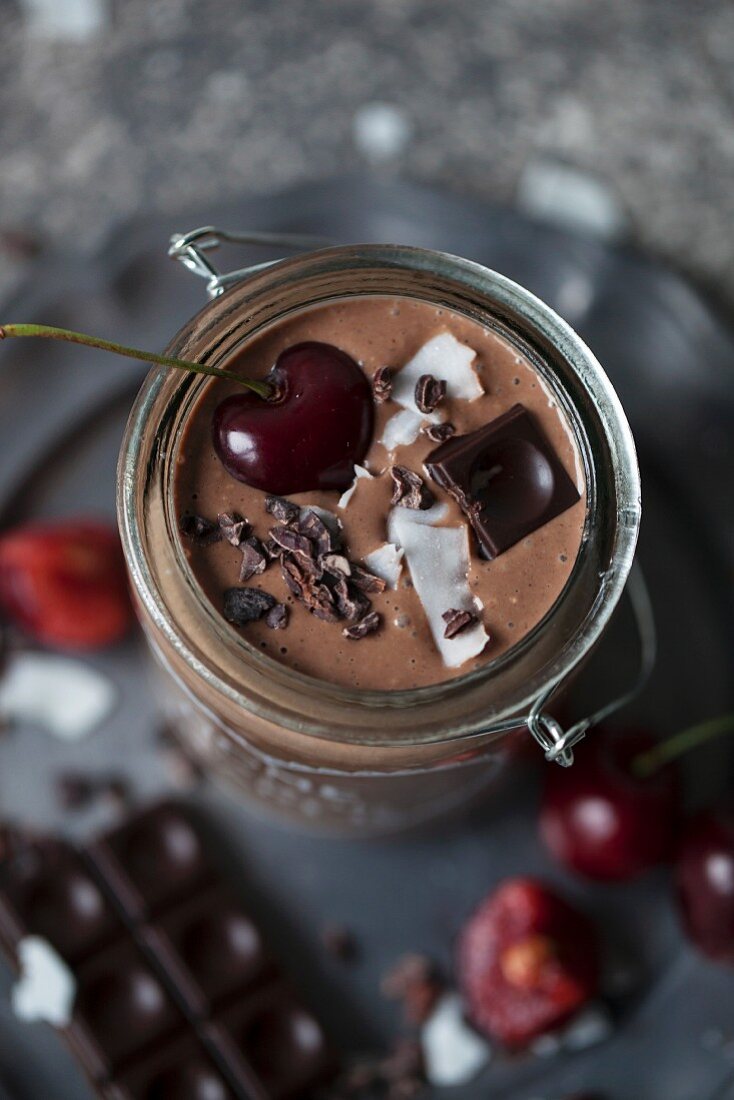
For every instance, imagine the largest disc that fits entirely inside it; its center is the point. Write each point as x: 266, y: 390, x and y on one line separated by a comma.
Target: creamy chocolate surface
x: 516, y: 589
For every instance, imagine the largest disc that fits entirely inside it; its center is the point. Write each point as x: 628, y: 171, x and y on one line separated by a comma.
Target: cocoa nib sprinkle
x: 314, y: 528
x: 234, y: 527
x: 246, y: 605
x: 415, y: 981
x: 198, y: 529
x: 429, y: 392
x: 409, y: 490
x: 254, y: 559
x: 277, y: 617
x: 368, y: 625
x: 284, y: 511
x: 367, y: 582
x: 439, y: 433
x: 382, y: 384
x: 457, y: 620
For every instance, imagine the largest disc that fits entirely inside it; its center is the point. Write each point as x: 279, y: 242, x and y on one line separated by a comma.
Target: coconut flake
x: 359, y: 472
x: 63, y: 696
x: 453, y: 1053
x: 386, y: 562
x: 448, y: 360
x: 438, y: 559
x: 46, y: 987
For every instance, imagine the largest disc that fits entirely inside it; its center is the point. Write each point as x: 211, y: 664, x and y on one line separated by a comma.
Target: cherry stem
x: 262, y: 389
x: 648, y: 763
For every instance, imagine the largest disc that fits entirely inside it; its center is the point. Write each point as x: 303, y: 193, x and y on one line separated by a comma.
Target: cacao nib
x: 271, y: 549
x: 234, y: 527
x: 199, y: 529
x: 368, y: 625
x: 285, y: 511
x: 429, y: 392
x: 456, y: 621
x: 409, y: 490
x: 439, y: 433
x: 246, y: 605
x: 314, y: 528
x: 336, y: 564
x: 351, y: 603
x: 365, y: 581
x: 277, y: 617
x: 254, y: 560
x: 382, y: 384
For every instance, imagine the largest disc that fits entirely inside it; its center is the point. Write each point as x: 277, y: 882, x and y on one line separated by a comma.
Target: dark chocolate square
x: 46, y: 890
x: 121, y: 1010
x: 276, y: 1039
x: 210, y: 949
x: 183, y: 1070
x: 506, y: 477
x: 152, y: 861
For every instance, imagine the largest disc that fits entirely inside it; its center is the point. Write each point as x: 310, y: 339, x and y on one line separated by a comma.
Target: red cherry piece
x: 310, y: 435
x: 705, y: 880
x: 527, y: 962
x: 65, y: 583
x: 602, y: 822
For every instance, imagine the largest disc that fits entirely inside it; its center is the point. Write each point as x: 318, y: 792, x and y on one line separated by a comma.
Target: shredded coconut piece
x: 448, y: 360
x: 438, y: 559
x: 359, y: 472
x: 386, y: 562
x: 46, y: 987
x: 61, y: 695
x: 453, y: 1053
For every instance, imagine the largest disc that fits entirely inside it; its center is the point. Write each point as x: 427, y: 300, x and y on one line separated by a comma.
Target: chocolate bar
x: 506, y: 478
x: 177, y: 997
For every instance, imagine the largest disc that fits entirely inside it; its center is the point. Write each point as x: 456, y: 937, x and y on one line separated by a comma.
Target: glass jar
x: 352, y: 761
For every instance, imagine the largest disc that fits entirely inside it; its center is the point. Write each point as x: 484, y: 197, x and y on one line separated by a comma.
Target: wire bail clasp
x: 191, y: 250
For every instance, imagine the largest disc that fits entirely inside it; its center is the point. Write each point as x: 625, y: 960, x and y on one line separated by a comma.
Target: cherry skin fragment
x: 310, y: 435
x: 527, y: 962
x: 64, y: 583
x: 704, y: 874
x: 601, y: 821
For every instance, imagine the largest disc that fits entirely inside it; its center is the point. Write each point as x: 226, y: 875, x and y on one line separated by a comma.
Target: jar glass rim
x: 590, y: 403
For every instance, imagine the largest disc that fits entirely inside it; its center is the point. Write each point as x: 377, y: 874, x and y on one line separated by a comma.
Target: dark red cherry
x: 704, y: 873
x: 598, y: 819
x: 310, y: 435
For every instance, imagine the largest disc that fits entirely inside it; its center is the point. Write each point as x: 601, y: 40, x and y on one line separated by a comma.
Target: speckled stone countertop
x: 114, y: 107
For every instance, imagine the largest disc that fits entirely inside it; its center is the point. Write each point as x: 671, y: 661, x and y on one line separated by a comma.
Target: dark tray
x: 672, y: 360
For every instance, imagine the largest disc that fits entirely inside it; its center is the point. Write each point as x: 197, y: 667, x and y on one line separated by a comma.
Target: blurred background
x: 116, y: 107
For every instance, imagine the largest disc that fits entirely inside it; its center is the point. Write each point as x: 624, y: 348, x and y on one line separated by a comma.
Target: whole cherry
x: 527, y: 962
x: 603, y: 820
x: 704, y: 874
x: 309, y: 434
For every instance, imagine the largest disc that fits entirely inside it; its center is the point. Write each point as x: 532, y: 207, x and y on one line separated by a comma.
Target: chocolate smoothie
x: 449, y: 542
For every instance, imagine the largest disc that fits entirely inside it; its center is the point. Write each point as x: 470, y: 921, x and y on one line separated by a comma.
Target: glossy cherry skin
x: 599, y: 820
x: 310, y: 436
x: 704, y: 874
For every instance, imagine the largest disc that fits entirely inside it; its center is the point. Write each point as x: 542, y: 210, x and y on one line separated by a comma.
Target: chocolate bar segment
x: 46, y: 890
x: 506, y: 477
x: 277, y: 1040
x: 152, y: 861
x: 183, y: 1070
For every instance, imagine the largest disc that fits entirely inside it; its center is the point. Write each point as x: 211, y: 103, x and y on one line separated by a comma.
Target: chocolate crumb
x: 340, y: 942
x: 439, y: 433
x: 457, y: 620
x: 285, y: 511
x: 199, y: 529
x: 368, y: 625
x: 409, y: 490
x: 415, y: 981
x: 254, y: 559
x: 429, y: 392
x: 277, y: 617
x: 382, y: 384
x: 234, y: 527
x: 246, y: 605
